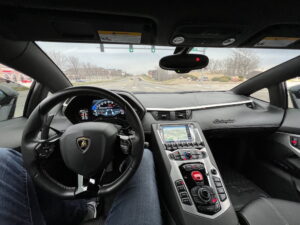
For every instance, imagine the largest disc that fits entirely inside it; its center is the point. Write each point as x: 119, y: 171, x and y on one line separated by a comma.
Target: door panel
x: 278, y: 171
x: 11, y: 133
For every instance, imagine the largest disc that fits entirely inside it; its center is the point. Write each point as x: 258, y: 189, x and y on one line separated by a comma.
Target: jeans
x: 21, y: 202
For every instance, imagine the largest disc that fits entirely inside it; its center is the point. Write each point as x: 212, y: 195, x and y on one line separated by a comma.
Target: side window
x: 294, y: 86
x: 262, y: 94
x: 14, y: 88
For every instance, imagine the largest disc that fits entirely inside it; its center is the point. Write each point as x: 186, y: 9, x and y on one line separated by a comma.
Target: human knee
x: 9, y: 155
x: 147, y: 163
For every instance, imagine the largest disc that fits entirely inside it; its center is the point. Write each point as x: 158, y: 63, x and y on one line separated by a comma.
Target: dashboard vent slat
x: 181, y: 115
x: 163, y: 115
x: 172, y: 115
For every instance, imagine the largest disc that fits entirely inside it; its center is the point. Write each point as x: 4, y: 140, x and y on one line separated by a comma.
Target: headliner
x: 205, y: 24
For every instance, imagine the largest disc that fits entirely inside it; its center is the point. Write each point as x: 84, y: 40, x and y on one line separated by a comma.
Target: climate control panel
x: 187, y: 154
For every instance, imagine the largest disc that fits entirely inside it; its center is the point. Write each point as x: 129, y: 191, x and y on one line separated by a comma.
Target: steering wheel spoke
x: 45, y: 148
x: 80, y: 185
x: 126, y: 143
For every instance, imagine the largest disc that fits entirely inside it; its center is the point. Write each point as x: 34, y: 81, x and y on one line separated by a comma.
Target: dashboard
x: 214, y: 111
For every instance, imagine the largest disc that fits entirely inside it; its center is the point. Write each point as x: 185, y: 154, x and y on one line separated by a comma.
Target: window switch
x: 294, y: 141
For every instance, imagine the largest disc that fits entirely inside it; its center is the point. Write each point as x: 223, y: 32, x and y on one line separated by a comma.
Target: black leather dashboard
x: 259, y: 115
x: 246, y: 115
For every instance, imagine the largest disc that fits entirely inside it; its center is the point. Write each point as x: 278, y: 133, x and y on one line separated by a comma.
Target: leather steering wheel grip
x: 35, y: 123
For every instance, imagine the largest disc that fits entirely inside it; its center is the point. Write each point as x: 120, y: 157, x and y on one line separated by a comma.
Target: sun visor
x: 85, y: 27
x: 207, y: 36
x: 276, y: 36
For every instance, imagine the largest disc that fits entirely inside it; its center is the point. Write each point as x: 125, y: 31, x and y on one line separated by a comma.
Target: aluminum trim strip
x: 201, y: 106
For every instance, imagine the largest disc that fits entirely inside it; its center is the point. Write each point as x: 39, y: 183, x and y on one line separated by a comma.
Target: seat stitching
x: 276, y: 211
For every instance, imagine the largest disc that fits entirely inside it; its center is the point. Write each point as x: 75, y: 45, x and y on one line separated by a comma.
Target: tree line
x: 241, y: 62
x: 77, y: 70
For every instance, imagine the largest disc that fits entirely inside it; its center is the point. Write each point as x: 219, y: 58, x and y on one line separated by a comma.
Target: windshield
x: 136, y: 68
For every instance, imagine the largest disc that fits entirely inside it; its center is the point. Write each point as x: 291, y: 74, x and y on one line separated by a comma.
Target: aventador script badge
x: 83, y: 143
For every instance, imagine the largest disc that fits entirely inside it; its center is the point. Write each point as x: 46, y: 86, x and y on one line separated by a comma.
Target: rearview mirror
x: 183, y: 63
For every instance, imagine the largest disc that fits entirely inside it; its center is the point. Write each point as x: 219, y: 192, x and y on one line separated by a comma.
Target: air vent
x: 163, y: 115
x: 182, y: 115
x: 172, y: 115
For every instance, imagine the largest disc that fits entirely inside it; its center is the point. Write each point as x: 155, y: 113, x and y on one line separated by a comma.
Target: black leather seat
x: 268, y: 211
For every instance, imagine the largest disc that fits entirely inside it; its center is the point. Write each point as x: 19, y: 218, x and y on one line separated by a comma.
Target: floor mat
x: 241, y: 190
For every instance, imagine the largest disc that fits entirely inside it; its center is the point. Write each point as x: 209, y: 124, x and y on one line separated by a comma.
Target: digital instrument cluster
x: 100, y: 108
x: 88, y: 108
x: 106, y: 108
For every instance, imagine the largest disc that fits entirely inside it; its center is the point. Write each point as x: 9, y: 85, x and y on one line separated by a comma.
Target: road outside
x: 139, y: 84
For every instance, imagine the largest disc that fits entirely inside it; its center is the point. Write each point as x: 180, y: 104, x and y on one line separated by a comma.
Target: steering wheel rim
x: 36, y: 121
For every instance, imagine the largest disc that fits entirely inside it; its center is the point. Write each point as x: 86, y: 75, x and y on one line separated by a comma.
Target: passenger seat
x: 265, y: 211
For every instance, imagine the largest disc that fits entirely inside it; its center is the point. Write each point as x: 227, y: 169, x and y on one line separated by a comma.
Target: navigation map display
x: 176, y: 133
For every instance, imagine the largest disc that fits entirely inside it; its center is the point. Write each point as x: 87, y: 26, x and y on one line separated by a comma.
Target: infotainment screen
x: 176, y: 133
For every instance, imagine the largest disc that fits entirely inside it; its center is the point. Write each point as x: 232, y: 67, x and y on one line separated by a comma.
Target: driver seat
x: 266, y: 211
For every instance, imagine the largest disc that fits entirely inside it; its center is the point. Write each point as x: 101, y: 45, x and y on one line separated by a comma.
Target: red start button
x: 197, y: 176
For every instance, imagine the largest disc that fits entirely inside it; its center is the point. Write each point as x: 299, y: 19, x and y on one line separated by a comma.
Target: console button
x: 171, y: 156
x: 186, y: 201
x: 216, y: 179
x: 198, y: 166
x: 217, y: 206
x: 187, y: 167
x: 213, y: 171
x: 218, y: 184
x: 180, y: 188
x: 223, y: 197
x: 183, y: 195
x: 188, y: 155
x: 177, y: 155
x: 195, y: 157
x: 179, y: 182
x: 214, y: 200
x: 197, y: 176
x: 197, y: 199
x: 200, y: 183
x: 203, y: 155
x: 220, y: 190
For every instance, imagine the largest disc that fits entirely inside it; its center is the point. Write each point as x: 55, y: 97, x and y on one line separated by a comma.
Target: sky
x: 142, y: 59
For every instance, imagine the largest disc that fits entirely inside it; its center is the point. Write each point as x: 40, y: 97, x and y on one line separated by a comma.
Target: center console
x: 193, y: 186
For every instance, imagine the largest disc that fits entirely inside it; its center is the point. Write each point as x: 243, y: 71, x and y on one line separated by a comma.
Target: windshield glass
x: 136, y: 68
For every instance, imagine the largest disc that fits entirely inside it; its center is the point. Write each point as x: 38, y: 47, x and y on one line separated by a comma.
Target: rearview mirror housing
x: 184, y: 63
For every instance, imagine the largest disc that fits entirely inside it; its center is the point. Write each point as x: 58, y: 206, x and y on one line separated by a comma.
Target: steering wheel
x: 86, y: 148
